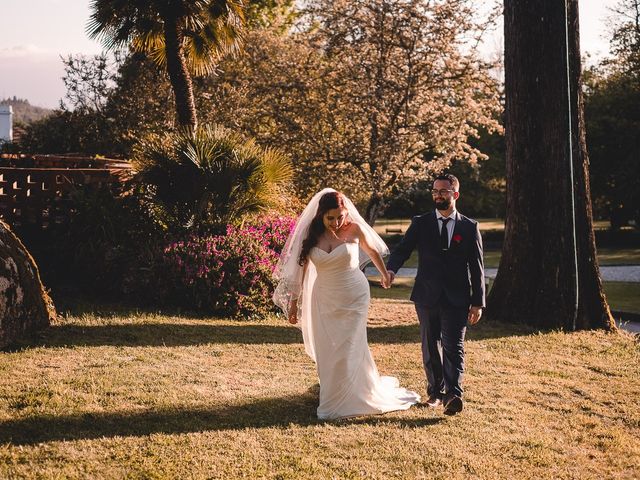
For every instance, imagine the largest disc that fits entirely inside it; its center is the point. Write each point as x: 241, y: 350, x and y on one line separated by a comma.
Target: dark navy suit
x: 446, y: 285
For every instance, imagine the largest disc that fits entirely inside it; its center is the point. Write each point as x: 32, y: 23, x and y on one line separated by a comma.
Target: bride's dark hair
x: 328, y: 201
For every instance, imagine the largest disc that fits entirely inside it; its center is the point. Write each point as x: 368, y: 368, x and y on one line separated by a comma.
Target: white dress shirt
x: 451, y: 224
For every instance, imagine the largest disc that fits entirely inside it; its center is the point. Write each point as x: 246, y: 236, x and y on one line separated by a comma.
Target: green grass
x: 622, y: 296
x: 134, y: 395
x: 624, y: 256
x: 606, y: 256
x: 393, y: 225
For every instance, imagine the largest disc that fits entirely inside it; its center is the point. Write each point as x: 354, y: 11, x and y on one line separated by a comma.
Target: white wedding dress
x: 349, y: 381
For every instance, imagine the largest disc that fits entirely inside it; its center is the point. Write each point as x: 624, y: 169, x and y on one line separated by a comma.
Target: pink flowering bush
x: 229, y: 274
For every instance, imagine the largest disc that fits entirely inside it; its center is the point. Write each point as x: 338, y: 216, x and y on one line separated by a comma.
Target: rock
x: 25, y: 306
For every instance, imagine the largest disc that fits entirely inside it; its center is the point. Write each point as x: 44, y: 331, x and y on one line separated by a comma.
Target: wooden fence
x: 34, y: 189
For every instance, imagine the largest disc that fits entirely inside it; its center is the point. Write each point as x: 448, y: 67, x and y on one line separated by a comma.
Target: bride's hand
x: 293, y: 317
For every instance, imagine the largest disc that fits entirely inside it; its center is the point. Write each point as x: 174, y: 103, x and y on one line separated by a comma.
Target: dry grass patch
x: 152, y: 396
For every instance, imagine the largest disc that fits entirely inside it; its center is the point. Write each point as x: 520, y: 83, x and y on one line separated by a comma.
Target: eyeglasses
x: 442, y: 192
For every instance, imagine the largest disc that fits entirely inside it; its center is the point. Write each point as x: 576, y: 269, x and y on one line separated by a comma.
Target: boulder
x: 25, y: 306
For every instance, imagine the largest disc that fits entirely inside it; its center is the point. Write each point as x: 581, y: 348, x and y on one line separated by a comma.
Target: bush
x: 229, y: 274
x: 106, y: 248
x: 196, y: 182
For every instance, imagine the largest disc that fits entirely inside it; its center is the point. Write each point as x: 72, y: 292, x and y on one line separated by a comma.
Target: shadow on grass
x: 158, y: 334
x: 411, y: 333
x: 175, y: 335
x: 78, y: 307
x: 271, y: 412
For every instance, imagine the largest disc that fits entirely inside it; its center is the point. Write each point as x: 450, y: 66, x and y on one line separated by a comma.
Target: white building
x: 6, y: 123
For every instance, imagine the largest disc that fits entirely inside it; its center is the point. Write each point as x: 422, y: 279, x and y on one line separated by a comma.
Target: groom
x: 448, y: 291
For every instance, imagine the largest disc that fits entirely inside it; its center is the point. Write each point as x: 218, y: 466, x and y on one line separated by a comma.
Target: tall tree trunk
x: 179, y: 74
x: 536, y: 281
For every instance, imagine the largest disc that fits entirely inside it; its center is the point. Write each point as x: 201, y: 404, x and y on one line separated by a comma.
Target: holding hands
x: 386, y: 279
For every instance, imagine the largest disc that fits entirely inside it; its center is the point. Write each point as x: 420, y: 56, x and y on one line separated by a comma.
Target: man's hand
x: 293, y: 317
x: 392, y: 275
x: 385, y: 280
x: 474, y: 315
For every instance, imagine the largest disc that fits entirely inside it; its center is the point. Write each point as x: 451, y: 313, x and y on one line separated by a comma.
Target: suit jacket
x: 457, y: 273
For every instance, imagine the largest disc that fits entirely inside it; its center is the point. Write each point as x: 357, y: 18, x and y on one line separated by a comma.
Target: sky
x: 35, y: 33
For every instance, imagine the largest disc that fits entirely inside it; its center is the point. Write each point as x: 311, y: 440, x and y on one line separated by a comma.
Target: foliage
x: 230, y: 274
x: 140, y: 103
x: 613, y: 137
x: 625, y: 37
x: 105, y: 111
x: 107, y: 248
x: 482, y: 185
x: 88, y: 80
x: 367, y: 96
x: 276, y: 14
x: 182, y: 36
x: 23, y: 112
x: 198, y: 182
x: 613, y: 122
x: 64, y: 131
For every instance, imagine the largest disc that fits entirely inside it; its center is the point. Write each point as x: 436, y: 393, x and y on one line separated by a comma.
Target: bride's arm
x: 375, y: 256
x: 293, y: 308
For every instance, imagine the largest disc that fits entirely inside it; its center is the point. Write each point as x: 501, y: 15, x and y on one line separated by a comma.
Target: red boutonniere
x: 457, y: 238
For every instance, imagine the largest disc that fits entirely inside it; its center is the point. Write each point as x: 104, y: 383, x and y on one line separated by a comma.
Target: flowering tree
x: 367, y: 95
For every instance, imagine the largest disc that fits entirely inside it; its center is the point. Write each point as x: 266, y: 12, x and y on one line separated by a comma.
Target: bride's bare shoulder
x: 353, y: 230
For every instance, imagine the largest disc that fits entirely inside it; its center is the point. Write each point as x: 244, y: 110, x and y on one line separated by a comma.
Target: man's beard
x: 443, y: 204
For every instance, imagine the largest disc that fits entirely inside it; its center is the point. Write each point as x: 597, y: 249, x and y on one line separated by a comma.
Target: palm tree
x: 204, y: 179
x: 185, y: 37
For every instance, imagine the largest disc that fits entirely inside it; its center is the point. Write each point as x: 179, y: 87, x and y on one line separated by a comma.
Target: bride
x: 322, y: 289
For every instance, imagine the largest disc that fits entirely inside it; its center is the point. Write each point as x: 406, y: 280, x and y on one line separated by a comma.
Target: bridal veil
x: 289, y: 274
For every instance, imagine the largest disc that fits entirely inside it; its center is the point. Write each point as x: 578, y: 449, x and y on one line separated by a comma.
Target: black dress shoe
x: 434, y: 401
x: 453, y: 406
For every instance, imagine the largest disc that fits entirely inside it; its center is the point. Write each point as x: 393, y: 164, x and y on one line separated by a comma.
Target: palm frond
x: 210, y: 177
x: 210, y: 28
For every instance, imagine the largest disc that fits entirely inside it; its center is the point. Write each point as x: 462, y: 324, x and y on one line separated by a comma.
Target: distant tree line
x: 23, y: 112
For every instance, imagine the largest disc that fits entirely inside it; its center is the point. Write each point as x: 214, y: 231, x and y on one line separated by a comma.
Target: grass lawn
x: 136, y: 395
x: 622, y: 296
x: 606, y: 256
x: 394, y: 225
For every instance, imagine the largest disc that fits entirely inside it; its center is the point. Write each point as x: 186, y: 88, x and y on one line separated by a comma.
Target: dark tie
x: 444, y: 235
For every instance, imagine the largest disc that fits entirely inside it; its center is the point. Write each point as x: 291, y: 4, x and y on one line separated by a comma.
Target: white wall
x: 6, y: 123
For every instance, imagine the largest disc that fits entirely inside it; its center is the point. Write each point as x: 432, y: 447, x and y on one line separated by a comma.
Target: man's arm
x: 476, y: 268
x: 404, y: 249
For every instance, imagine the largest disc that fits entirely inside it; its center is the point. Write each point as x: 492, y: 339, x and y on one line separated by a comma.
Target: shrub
x: 196, y: 182
x: 229, y: 274
x: 106, y: 248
